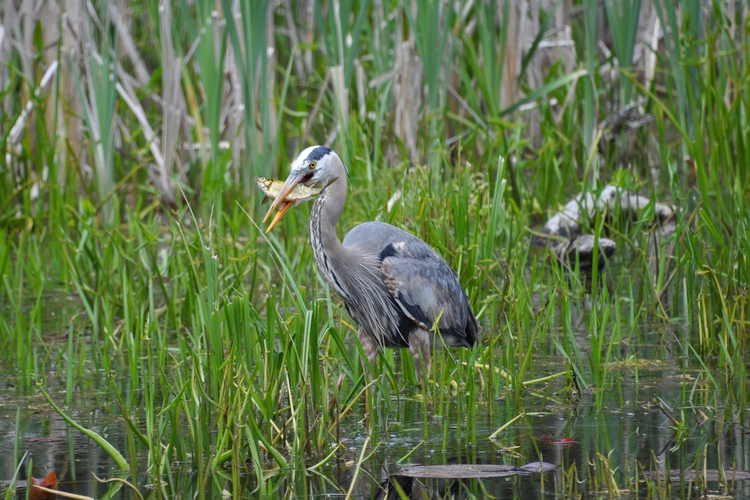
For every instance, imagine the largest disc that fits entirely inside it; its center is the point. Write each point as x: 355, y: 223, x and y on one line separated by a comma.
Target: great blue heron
x: 394, y: 285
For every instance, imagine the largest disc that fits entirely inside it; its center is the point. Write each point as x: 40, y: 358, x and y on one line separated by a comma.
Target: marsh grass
x: 223, y: 347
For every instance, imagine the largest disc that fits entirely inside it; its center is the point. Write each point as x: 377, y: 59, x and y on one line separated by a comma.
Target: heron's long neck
x: 330, y: 254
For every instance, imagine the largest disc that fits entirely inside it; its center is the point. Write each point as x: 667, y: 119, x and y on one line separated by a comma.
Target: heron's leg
x: 369, y: 345
x: 419, y: 346
x: 371, y: 351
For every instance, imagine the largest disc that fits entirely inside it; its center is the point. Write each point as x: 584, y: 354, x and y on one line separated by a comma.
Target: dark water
x: 630, y: 432
x: 601, y: 448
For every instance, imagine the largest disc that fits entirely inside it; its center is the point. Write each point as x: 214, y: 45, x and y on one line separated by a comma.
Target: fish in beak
x: 285, y: 195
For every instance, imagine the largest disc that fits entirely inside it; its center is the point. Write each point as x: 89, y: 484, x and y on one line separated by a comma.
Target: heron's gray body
x: 394, y: 285
x: 412, y: 282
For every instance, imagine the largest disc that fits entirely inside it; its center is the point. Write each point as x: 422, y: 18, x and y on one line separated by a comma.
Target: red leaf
x: 48, y: 482
x: 565, y: 442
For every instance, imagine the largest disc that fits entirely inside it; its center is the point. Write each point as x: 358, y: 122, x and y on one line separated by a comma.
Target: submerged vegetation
x: 133, y: 262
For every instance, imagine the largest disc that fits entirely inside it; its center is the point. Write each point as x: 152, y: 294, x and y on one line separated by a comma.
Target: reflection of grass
x: 97, y: 438
x: 228, y: 350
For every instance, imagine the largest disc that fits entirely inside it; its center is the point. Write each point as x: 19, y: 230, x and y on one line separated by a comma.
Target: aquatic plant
x: 133, y: 267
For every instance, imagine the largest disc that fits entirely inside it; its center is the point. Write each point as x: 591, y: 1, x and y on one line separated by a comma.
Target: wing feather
x: 426, y: 288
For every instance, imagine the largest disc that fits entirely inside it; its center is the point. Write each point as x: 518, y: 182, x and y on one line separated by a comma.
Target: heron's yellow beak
x: 280, y: 200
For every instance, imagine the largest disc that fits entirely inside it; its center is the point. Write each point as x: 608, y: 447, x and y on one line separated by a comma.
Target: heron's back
x: 376, y: 235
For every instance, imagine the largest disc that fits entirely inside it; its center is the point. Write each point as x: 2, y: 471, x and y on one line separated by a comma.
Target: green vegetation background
x: 131, y: 138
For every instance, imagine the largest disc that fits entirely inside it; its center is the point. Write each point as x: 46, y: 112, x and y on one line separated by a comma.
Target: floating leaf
x: 49, y: 482
x: 564, y: 442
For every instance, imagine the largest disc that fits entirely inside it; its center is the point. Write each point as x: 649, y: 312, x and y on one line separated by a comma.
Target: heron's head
x: 315, y: 165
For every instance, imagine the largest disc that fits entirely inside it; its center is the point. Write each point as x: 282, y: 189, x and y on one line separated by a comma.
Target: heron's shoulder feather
x: 376, y: 236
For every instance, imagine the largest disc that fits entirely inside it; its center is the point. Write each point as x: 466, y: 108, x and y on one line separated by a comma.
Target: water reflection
x: 659, y: 414
x: 631, y: 434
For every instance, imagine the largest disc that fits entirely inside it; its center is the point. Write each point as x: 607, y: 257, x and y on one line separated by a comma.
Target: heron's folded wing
x: 427, y: 289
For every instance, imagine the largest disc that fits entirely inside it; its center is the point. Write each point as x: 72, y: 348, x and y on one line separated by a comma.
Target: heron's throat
x: 326, y: 213
x: 330, y: 254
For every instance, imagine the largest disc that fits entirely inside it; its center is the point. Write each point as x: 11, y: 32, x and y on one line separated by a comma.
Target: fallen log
x: 568, y: 223
x: 582, y: 249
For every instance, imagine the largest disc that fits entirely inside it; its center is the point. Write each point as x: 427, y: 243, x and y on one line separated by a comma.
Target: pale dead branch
x: 171, y: 88
x: 128, y: 45
x: 582, y: 207
x: 18, y: 126
x: 407, y: 96
x: 128, y: 95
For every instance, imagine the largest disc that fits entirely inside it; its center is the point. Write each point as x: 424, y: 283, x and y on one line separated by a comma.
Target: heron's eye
x: 313, y: 164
